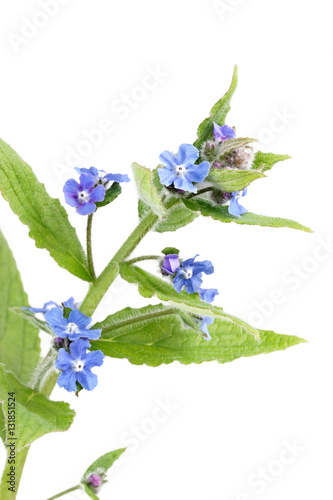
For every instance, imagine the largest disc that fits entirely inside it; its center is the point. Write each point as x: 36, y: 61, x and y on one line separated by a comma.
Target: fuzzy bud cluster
x: 214, y: 152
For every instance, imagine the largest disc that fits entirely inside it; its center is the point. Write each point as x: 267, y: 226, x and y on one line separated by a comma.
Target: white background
x: 230, y: 420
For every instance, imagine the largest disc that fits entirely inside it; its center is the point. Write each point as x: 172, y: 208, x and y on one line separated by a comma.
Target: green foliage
x: 232, y: 180
x: 46, y: 217
x: 35, y: 414
x: 232, y: 144
x: 156, y: 335
x: 19, y: 340
x: 265, y: 161
x: 217, y: 114
x: 147, y: 190
x: 110, y: 195
x: 150, y: 285
x: 176, y: 217
x: 218, y: 212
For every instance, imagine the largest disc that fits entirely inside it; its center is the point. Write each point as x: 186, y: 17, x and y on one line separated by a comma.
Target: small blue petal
x: 208, y: 294
x: 184, y: 183
x: 167, y: 176
x: 67, y: 380
x: 95, y: 358
x: 234, y: 207
x: 79, y: 348
x: 168, y: 159
x: 98, y: 193
x: 80, y: 319
x: 87, y: 182
x: 198, y: 173
x: 87, y: 379
x: 86, y: 208
x: 64, y: 360
x: 117, y: 177
x: 187, y: 155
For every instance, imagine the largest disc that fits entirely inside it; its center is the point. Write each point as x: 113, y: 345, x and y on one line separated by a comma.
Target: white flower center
x: 188, y: 272
x: 72, y: 328
x: 83, y: 196
x: 180, y: 170
x: 77, y: 365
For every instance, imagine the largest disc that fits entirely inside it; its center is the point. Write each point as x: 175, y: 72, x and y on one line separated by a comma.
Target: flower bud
x: 95, y: 480
x: 170, y: 264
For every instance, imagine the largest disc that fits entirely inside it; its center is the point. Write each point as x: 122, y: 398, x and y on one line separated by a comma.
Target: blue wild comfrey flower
x: 234, y: 206
x: 224, y: 132
x: 83, y: 195
x: 74, y: 327
x: 76, y: 366
x: 205, y: 322
x: 102, y: 177
x: 170, y: 264
x: 181, y: 171
x: 189, y: 275
x: 208, y: 294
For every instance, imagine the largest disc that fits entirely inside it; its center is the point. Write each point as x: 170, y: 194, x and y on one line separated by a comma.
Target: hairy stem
x: 65, y: 492
x: 143, y: 257
x: 98, y: 289
x: 201, y: 191
x: 89, y: 248
x: 5, y: 492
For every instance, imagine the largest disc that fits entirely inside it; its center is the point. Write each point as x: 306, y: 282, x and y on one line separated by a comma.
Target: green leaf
x: 31, y: 318
x: 232, y: 180
x: 217, y: 114
x: 219, y: 212
x: 35, y: 414
x: 110, y: 195
x: 19, y: 340
x: 156, y: 335
x: 100, y: 466
x: 46, y: 217
x: 147, y: 190
x: 177, y: 216
x: 150, y: 285
x: 265, y: 161
x: 170, y: 250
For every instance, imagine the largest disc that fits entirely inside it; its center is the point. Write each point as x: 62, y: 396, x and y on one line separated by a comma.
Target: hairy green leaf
x: 46, y: 217
x: 232, y: 144
x: 156, y: 335
x: 35, y: 414
x: 265, y: 161
x: 221, y: 213
x: 176, y: 216
x: 217, y: 114
x: 147, y: 190
x: 150, y: 285
x: 170, y: 250
x: 19, y: 340
x: 232, y: 180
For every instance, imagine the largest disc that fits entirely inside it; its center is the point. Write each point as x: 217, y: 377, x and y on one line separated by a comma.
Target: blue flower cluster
x: 73, y: 360
x: 187, y: 275
x: 72, y: 335
x: 91, y: 188
x: 181, y: 171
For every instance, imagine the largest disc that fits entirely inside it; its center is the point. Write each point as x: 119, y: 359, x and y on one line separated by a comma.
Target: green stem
x: 89, y: 248
x: 143, y: 257
x: 65, y: 492
x: 99, y: 287
x: 5, y: 493
x: 201, y: 191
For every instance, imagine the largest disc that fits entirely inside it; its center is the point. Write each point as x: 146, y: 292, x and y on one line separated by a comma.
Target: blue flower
x: 76, y: 366
x: 103, y: 177
x: 206, y: 320
x: 46, y: 307
x: 71, y: 304
x: 208, y: 294
x: 234, y: 207
x: 82, y: 196
x: 170, y: 264
x: 189, y: 275
x: 180, y: 170
x: 75, y: 327
x: 223, y: 133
